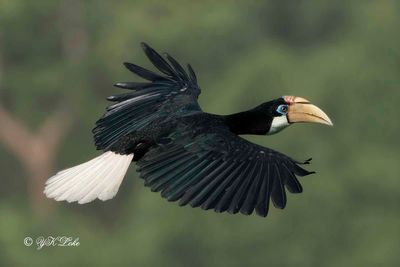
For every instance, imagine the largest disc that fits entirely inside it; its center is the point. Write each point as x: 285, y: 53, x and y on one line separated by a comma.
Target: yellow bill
x: 301, y: 110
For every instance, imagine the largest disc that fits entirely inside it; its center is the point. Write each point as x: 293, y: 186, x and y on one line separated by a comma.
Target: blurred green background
x: 58, y: 61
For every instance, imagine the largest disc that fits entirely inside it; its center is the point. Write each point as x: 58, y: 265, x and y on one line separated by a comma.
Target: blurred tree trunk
x: 37, y: 150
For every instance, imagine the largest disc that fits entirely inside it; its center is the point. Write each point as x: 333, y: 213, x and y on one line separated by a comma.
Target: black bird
x: 189, y: 155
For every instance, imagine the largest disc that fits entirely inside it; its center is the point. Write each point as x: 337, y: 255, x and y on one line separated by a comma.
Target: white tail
x: 98, y: 178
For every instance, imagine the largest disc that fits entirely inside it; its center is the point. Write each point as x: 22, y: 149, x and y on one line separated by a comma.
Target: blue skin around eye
x: 281, y: 108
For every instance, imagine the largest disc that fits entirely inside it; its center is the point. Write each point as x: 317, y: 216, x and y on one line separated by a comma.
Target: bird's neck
x: 248, y: 122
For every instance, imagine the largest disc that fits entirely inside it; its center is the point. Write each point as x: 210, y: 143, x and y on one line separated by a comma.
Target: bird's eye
x: 282, y: 109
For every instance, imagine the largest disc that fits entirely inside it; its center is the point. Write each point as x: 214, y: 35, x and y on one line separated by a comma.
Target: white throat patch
x: 278, y: 124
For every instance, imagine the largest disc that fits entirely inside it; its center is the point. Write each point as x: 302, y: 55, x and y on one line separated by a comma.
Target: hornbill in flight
x: 185, y: 153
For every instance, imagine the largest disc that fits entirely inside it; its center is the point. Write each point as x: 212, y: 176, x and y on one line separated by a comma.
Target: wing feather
x: 251, y: 196
x: 221, y: 171
x: 165, y: 96
x: 262, y: 205
x: 278, y: 195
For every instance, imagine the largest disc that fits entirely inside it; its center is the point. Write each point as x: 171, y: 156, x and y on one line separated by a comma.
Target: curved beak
x: 301, y: 110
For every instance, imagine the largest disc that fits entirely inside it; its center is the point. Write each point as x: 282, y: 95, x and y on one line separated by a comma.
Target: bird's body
x: 199, y: 122
x: 187, y: 154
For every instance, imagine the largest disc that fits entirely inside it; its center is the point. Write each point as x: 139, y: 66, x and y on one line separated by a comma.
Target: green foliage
x: 344, y: 57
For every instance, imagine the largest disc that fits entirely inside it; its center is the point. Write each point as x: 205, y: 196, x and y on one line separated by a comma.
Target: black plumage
x: 192, y: 156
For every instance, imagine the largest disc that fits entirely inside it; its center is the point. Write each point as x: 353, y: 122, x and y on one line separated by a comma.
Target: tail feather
x: 99, y: 178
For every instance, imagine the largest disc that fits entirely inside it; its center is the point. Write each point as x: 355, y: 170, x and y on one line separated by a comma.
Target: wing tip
x: 144, y: 45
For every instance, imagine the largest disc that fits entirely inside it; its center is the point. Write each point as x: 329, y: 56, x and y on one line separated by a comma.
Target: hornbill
x: 189, y: 155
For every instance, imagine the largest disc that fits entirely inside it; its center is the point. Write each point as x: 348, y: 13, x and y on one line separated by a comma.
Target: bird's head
x: 287, y: 110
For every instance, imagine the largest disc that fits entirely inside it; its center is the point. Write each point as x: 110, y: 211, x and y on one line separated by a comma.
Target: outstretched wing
x: 172, y: 93
x: 221, y: 171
